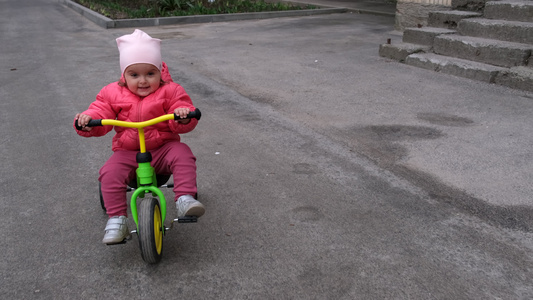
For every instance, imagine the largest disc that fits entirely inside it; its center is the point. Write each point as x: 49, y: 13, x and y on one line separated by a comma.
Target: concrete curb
x: 98, y: 19
x: 106, y: 22
x: 350, y: 8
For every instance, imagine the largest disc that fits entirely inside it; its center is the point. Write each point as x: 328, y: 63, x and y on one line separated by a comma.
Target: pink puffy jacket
x: 117, y: 102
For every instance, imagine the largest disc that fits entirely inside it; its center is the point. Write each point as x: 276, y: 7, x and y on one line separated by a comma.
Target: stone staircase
x: 494, y: 44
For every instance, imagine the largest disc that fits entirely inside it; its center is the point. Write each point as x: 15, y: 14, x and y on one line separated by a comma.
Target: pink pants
x: 172, y: 158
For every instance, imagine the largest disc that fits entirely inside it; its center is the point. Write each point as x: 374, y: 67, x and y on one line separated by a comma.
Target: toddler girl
x: 145, y: 91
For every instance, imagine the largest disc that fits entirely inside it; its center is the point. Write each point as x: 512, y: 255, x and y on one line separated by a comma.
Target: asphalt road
x: 327, y: 171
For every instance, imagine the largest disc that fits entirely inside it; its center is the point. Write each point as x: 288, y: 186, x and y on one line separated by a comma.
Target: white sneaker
x: 116, y: 230
x: 188, y: 206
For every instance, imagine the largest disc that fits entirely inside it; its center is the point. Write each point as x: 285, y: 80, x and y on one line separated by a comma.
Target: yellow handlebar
x: 139, y: 125
x: 196, y: 114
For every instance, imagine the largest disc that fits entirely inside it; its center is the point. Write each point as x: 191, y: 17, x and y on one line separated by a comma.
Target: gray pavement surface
x: 328, y: 172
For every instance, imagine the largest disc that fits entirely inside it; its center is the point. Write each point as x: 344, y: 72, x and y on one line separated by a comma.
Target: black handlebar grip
x: 92, y: 123
x: 195, y: 114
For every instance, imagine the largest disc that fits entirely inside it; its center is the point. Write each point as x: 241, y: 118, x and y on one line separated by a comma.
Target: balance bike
x: 149, y: 214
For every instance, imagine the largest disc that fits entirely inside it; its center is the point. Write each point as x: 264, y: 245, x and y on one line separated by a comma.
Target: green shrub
x: 131, y: 9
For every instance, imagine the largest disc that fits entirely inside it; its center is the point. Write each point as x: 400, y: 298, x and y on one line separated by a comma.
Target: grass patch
x: 133, y: 9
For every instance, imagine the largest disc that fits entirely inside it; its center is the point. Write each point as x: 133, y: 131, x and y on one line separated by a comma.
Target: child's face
x: 142, y: 79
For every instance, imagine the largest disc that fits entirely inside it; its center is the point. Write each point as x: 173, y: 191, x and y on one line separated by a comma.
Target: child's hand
x: 182, y: 112
x: 83, y: 120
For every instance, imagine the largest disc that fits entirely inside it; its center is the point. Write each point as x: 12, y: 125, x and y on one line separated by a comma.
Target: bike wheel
x: 101, y: 198
x: 150, y: 231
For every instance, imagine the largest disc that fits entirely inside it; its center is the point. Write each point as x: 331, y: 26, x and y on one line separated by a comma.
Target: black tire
x: 101, y: 198
x: 151, y: 231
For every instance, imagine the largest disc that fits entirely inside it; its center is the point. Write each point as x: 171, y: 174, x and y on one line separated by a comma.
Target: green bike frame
x: 146, y: 182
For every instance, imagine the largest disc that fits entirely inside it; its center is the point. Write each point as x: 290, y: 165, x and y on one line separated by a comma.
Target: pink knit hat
x: 137, y: 48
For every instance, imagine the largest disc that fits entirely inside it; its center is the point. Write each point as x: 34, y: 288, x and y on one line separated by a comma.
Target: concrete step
x: 498, y: 53
x: 449, y: 18
x: 455, y: 66
x: 400, y: 51
x: 516, y: 77
x: 424, y: 36
x: 469, y: 5
x: 511, y: 31
x: 509, y: 10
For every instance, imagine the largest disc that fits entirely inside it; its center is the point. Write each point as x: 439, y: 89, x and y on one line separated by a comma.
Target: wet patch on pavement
x: 386, y: 147
x: 445, y: 119
x: 307, y: 214
x: 304, y: 168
